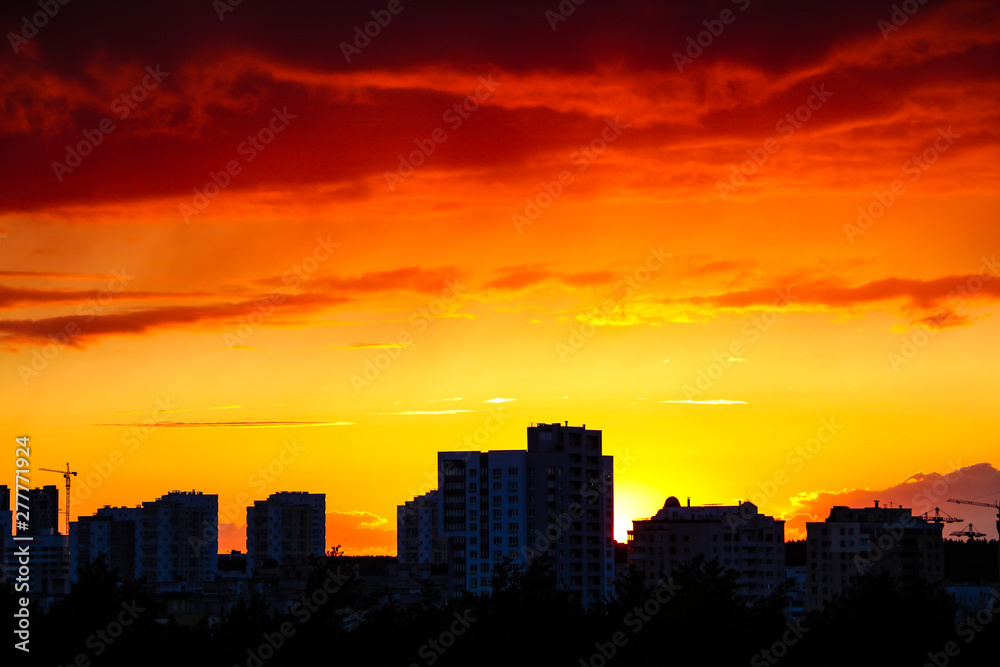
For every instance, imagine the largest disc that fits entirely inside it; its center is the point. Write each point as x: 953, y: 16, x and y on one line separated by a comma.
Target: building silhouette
x: 113, y: 533
x: 43, y: 509
x: 854, y: 541
x: 288, y: 528
x: 738, y: 537
x: 552, y: 501
x: 418, y: 540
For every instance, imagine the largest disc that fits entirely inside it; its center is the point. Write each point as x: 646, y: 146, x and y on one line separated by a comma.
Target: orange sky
x: 587, y: 234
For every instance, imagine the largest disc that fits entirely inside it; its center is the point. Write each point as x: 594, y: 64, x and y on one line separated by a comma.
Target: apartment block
x: 178, y: 542
x: 285, y: 531
x: 418, y: 540
x: 853, y: 541
x: 552, y: 501
x: 114, y: 533
x: 738, y: 537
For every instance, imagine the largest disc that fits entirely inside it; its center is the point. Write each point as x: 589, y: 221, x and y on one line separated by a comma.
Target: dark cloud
x: 75, y: 329
x: 921, y: 492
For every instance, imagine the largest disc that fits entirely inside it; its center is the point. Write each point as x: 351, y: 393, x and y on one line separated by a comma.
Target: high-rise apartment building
x: 853, y: 541
x: 738, y: 537
x: 288, y: 528
x: 115, y: 534
x: 178, y: 542
x: 553, y: 501
x: 418, y: 539
x: 43, y: 511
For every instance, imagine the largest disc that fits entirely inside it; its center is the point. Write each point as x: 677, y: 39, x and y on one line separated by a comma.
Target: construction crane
x: 67, y: 473
x: 994, y: 505
x: 939, y: 517
x: 969, y: 532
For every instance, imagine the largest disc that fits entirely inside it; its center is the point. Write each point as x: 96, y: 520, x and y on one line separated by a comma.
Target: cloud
x: 499, y: 400
x: 426, y: 412
x: 716, y: 401
x: 357, y: 532
x: 934, y: 300
x: 74, y: 329
x: 374, y: 346
x: 360, y: 533
x: 234, y: 424
x: 921, y: 492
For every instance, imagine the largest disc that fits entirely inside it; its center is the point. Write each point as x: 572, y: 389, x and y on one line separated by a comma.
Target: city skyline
x: 722, y: 232
x: 922, y: 493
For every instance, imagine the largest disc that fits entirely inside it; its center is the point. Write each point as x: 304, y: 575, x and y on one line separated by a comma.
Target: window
x: 496, y: 514
x: 496, y: 472
x: 512, y: 541
x: 512, y: 512
x: 511, y: 471
x: 512, y: 527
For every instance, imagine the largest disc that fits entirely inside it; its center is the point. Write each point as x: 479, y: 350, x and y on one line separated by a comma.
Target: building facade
x: 114, y: 533
x: 178, y: 541
x: 853, y: 541
x: 289, y: 528
x: 418, y: 540
x: 553, y: 501
x: 738, y: 537
x: 43, y: 509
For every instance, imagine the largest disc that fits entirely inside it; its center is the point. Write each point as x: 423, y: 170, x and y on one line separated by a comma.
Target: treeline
x: 696, y: 618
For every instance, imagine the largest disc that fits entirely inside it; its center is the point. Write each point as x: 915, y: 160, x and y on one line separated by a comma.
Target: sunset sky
x: 713, y: 230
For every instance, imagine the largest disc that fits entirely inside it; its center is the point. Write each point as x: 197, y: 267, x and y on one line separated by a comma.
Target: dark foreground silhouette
x: 696, y: 618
